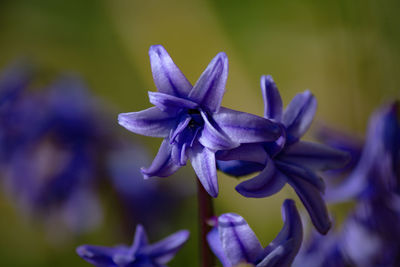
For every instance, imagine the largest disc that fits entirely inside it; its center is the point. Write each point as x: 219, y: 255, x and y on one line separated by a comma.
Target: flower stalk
x: 206, y: 211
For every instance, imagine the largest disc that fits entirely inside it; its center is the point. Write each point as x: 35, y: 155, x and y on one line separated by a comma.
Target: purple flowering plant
x: 234, y: 242
x: 288, y: 159
x: 139, y: 254
x: 191, y: 121
x: 55, y: 165
x: 369, y: 234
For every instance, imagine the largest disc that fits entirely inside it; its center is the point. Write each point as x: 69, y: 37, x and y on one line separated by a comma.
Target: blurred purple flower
x: 342, y: 141
x: 191, y: 121
x: 234, y: 242
x: 54, y: 166
x: 377, y: 171
x: 139, y: 254
x: 287, y: 160
x: 151, y: 203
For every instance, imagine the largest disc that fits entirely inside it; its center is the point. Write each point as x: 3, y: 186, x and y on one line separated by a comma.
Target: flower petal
x: 210, y: 87
x: 238, y: 240
x: 162, y: 165
x: 213, y: 138
x: 164, y: 250
x: 169, y: 103
x: 313, y: 202
x: 246, y: 128
x: 272, y: 99
x: 238, y: 168
x: 268, y: 182
x: 247, y: 152
x: 315, y: 156
x: 99, y: 255
x: 283, y: 249
x: 140, y: 239
x: 203, y: 162
x: 167, y: 76
x: 299, y: 114
x: 301, y: 172
x: 149, y: 122
x: 216, y: 246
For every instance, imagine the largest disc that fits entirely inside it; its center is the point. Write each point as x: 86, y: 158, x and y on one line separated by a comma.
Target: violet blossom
x: 139, y: 254
x: 288, y: 159
x: 191, y: 121
x: 234, y: 242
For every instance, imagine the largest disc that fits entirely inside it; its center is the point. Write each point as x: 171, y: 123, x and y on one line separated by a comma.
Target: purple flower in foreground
x: 233, y: 241
x: 139, y: 254
x: 287, y: 160
x: 191, y: 121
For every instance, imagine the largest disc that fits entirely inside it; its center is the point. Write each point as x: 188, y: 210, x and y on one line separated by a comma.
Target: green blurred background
x: 346, y: 52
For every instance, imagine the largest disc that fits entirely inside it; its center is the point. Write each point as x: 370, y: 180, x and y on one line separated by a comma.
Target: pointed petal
x: 149, y: 122
x: 238, y: 168
x: 216, y: 246
x: 272, y: 99
x: 162, y: 165
x: 283, y: 249
x: 268, y: 182
x: 180, y: 128
x: 167, y: 76
x: 278, y: 257
x: 140, y: 239
x: 98, y: 255
x: 299, y: 114
x: 246, y: 128
x: 238, y: 240
x: 168, y: 103
x: 203, y: 162
x: 313, y: 202
x: 164, y: 250
x: 315, y: 156
x: 213, y: 138
x: 301, y: 172
x: 210, y: 87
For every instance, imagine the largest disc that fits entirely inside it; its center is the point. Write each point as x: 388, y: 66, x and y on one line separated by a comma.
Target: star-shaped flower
x: 191, y: 121
x: 234, y: 242
x: 287, y: 160
x: 139, y: 254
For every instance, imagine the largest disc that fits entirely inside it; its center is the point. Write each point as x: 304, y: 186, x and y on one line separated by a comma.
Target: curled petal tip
x: 231, y: 219
x: 83, y: 252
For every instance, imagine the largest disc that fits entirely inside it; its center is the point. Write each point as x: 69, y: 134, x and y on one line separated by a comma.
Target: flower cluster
x: 55, y: 167
x: 195, y: 127
x: 57, y: 146
x: 369, y: 235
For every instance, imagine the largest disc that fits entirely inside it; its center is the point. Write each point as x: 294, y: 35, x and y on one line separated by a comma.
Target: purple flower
x: 139, y: 254
x: 233, y: 241
x: 52, y: 171
x: 286, y: 160
x: 191, y: 121
x: 138, y: 196
x: 377, y: 171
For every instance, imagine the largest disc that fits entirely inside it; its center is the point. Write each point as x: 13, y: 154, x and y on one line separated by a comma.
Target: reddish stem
x: 206, y: 211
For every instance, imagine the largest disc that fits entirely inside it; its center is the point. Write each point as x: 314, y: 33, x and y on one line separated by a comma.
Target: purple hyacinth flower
x: 287, y: 160
x: 51, y: 172
x: 191, y: 121
x: 139, y: 254
x: 234, y: 242
x: 378, y: 169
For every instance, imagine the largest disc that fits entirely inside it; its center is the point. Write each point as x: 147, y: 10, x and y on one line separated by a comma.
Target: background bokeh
x: 346, y: 52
